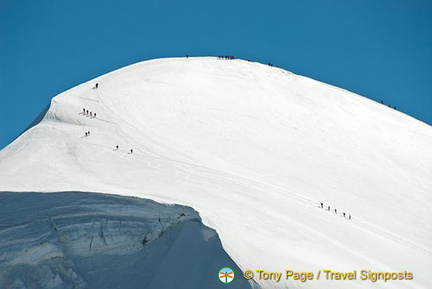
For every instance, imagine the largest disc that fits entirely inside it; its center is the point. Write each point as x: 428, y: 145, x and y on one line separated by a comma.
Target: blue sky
x: 379, y: 49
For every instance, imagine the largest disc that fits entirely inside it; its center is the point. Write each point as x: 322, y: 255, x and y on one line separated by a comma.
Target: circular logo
x: 226, y: 275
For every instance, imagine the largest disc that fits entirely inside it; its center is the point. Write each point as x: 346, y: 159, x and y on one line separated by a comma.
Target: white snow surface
x: 255, y: 150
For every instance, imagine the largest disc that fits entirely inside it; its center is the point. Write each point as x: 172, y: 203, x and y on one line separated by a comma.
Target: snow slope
x: 254, y: 149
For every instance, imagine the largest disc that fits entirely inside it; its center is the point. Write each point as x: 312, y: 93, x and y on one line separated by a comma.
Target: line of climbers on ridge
x: 93, y: 114
x: 382, y: 102
x: 86, y: 112
x: 230, y: 57
x: 335, y: 211
x: 226, y: 57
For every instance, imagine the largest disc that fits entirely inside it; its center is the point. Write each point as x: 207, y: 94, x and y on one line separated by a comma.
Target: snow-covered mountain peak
x: 255, y: 150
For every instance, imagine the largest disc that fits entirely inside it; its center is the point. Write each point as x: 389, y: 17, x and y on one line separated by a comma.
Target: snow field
x: 254, y: 149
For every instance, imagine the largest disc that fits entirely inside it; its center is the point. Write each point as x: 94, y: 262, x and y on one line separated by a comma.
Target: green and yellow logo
x: 226, y: 275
